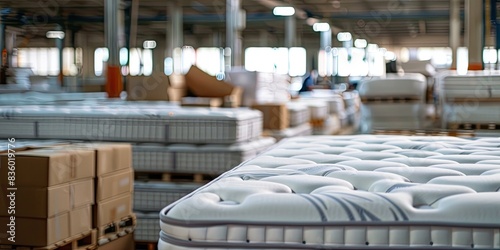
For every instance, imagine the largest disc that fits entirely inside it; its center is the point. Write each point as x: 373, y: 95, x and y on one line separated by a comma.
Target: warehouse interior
x: 256, y: 124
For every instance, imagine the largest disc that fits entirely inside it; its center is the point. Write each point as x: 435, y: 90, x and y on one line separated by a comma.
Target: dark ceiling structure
x: 389, y: 20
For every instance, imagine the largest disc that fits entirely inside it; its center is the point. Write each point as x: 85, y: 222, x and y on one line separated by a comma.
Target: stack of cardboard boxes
x: 51, y: 197
x: 67, y: 194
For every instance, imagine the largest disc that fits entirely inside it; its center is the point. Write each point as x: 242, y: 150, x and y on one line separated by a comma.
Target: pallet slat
x: 83, y: 241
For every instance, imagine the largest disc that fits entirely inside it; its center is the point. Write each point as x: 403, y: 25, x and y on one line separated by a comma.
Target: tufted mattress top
x: 359, y: 191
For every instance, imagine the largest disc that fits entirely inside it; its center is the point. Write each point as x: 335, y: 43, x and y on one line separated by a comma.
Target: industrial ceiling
x: 396, y: 22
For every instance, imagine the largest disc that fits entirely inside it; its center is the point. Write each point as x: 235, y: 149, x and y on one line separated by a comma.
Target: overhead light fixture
x: 149, y: 44
x: 360, y: 43
x: 319, y: 27
x: 55, y: 34
x: 344, y: 36
x: 284, y: 11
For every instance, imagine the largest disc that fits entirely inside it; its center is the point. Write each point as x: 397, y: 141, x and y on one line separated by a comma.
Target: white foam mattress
x: 348, y: 192
x: 131, y: 123
x: 298, y: 114
x: 191, y: 158
x: 394, y: 85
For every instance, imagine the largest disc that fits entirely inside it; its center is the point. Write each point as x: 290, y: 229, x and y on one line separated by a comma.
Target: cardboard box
x: 37, y: 232
x: 275, y: 116
x: 110, y: 157
x: 112, y: 210
x: 80, y: 220
x: 38, y: 202
x: 81, y: 193
x: 49, y: 166
x: 123, y: 243
x: 151, y: 88
x: 114, y: 183
x: 202, y: 102
x: 202, y: 84
x: 177, y: 81
x: 176, y: 94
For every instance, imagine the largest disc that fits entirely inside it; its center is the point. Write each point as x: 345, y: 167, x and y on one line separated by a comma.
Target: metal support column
x: 114, y: 84
x: 60, y: 48
x: 474, y: 37
x: 326, y: 39
x: 234, y: 25
x: 175, y: 33
x: 290, y: 32
x: 454, y: 30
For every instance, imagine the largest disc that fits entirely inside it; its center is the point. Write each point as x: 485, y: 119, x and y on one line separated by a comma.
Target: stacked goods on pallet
x: 113, y: 187
x: 298, y: 120
x: 393, y: 102
x: 50, y: 198
x: 470, y: 101
x: 182, y: 168
x: 131, y: 124
x: 213, y: 141
x: 149, y: 198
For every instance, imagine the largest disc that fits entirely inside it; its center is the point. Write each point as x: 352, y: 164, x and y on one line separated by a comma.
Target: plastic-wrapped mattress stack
x: 348, y: 192
x: 470, y: 101
x: 393, y: 102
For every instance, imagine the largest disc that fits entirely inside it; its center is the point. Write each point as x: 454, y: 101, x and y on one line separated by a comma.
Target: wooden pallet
x: 174, y: 177
x: 83, y: 241
x: 390, y: 99
x: 115, y: 229
x: 145, y: 245
x: 474, y: 126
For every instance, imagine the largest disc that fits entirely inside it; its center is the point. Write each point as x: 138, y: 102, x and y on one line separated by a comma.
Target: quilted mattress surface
x: 348, y: 192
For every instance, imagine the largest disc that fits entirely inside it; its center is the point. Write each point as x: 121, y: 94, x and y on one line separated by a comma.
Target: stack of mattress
x: 298, y: 122
x: 470, y: 101
x: 393, y: 102
x: 348, y: 192
x: 130, y: 123
x: 166, y: 138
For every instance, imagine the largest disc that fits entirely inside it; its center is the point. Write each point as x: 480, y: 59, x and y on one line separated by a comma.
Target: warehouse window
x: 72, y: 61
x: 188, y: 58
x: 140, y: 61
x: 276, y: 60
x: 100, y: 56
x: 297, y: 62
x: 210, y: 60
x: 43, y: 61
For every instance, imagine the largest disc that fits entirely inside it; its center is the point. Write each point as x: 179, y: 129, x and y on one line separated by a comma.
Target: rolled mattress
x: 347, y: 192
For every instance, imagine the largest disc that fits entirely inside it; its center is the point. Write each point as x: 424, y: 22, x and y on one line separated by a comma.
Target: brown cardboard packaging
x: 81, y: 193
x: 151, y: 88
x: 176, y: 94
x: 177, y: 81
x: 275, y: 116
x: 49, y: 167
x: 112, y: 209
x: 114, y: 183
x: 37, y: 232
x: 110, y: 157
x: 37, y: 202
x: 82, y: 162
x: 123, y: 243
x: 205, y: 85
x: 80, y: 220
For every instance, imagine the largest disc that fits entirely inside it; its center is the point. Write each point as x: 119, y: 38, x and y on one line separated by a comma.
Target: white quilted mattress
x: 348, y: 192
x: 131, y: 123
x: 394, y: 85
